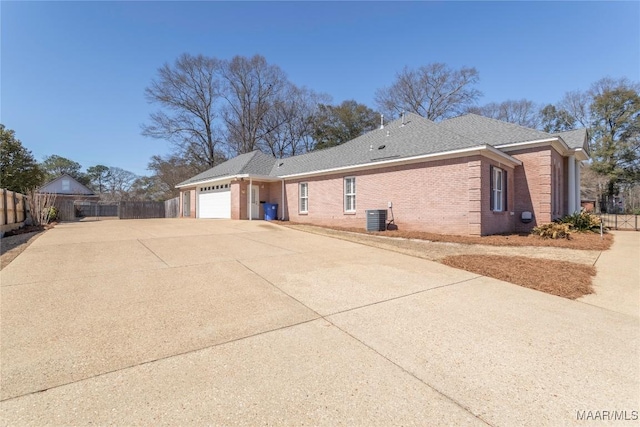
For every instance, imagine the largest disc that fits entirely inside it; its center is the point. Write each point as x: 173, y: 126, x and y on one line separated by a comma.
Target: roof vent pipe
x: 381, y: 121
x: 402, y: 117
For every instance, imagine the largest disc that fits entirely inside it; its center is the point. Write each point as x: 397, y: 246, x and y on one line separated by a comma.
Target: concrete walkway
x: 617, y: 282
x: 193, y: 322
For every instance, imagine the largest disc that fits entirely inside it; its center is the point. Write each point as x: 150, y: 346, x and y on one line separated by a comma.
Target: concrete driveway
x: 188, y: 322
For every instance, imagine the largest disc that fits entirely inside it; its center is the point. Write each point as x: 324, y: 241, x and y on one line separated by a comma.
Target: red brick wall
x: 558, y: 185
x: 429, y: 196
x: 445, y: 196
x: 535, y: 186
x: 237, y: 211
x: 497, y: 222
x: 267, y: 191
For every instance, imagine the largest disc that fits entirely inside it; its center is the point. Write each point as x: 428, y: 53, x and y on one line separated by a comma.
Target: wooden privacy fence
x: 13, y: 210
x: 172, y: 208
x: 66, y: 211
x: 140, y: 210
x: 69, y: 210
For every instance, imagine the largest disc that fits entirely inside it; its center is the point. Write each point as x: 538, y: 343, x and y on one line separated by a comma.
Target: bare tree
x: 172, y: 170
x: 290, y: 123
x: 41, y: 206
x: 576, y: 104
x: 521, y: 112
x: 251, y: 87
x: 434, y: 91
x: 187, y: 92
x: 118, y: 184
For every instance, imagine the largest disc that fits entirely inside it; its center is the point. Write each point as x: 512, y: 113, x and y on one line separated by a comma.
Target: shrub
x: 553, y: 230
x: 582, y: 221
x: 50, y: 214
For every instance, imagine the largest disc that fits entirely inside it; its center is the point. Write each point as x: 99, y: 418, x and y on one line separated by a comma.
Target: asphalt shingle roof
x: 573, y: 138
x: 255, y: 163
x: 399, y: 139
x: 418, y: 136
x: 491, y: 131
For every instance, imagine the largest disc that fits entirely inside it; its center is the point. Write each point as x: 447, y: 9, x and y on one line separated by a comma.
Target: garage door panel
x: 215, y: 204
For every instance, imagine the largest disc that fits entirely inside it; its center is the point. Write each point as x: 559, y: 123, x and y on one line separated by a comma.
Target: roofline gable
x: 90, y: 191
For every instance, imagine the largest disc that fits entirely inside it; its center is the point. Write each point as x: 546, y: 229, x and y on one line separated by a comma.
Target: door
x: 186, y: 200
x: 254, y: 202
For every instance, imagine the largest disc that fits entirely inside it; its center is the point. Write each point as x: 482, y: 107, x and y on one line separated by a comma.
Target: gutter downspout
x: 250, y: 199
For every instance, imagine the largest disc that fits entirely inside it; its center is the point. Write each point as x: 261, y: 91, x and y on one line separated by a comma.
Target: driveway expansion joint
x: 405, y: 295
x: 155, y: 254
x: 148, y: 362
x: 326, y: 318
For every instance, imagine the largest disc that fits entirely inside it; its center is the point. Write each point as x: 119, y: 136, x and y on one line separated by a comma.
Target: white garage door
x: 215, y: 202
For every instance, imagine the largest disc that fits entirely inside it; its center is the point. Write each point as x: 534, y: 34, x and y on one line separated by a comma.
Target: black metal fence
x: 619, y: 221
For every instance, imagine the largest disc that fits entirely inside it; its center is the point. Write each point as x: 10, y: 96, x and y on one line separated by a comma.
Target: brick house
x: 466, y: 175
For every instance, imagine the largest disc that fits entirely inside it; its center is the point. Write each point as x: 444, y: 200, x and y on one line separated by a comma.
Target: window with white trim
x: 498, y: 189
x: 350, y: 194
x: 303, y: 191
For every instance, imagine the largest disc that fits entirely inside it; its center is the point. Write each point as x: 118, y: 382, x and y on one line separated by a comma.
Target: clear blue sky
x: 74, y: 73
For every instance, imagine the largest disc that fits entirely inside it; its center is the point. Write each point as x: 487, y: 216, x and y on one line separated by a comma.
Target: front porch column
x: 571, y: 160
x: 578, y: 177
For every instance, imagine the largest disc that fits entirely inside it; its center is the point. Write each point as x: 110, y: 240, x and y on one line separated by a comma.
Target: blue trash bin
x: 270, y: 211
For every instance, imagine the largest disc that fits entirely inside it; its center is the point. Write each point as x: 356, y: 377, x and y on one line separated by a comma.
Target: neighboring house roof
x: 254, y: 163
x: 491, y: 131
x: 71, y: 187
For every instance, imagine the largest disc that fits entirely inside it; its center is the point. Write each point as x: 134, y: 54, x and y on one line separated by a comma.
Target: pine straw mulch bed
x: 561, y: 278
x: 582, y: 241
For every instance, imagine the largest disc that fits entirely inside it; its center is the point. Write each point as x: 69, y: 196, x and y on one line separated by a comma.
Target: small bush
x: 50, y: 214
x: 582, y: 221
x: 553, y: 230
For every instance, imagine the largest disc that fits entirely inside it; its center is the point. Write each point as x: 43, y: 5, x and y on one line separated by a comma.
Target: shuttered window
x: 304, y: 197
x: 350, y: 194
x: 498, y: 189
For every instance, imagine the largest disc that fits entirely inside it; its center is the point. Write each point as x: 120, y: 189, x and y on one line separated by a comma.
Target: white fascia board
x: 580, y: 154
x: 229, y: 178
x: 208, y: 181
x: 266, y: 178
x: 482, y: 150
x: 555, y: 142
